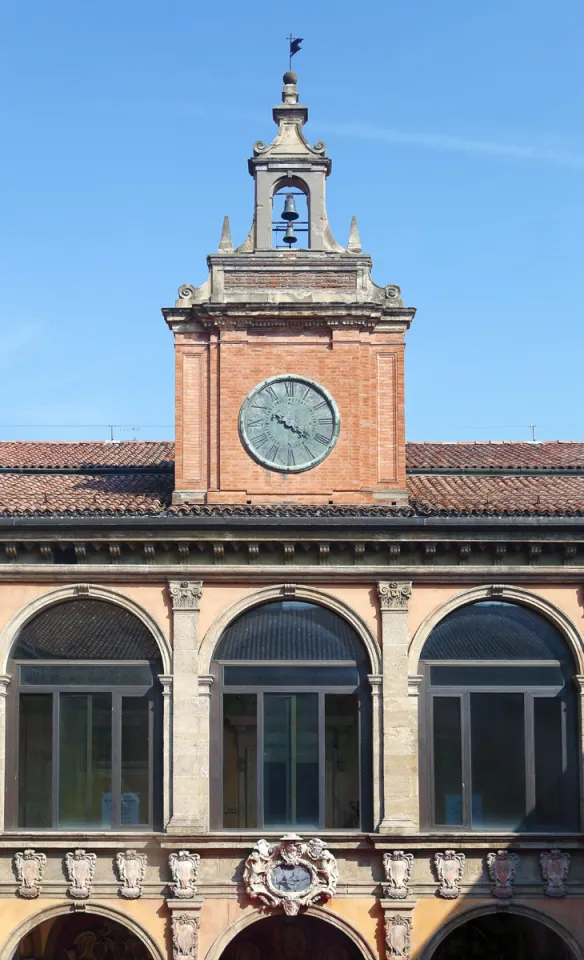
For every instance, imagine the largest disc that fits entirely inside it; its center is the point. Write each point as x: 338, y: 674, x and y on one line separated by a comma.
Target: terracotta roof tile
x: 496, y: 454
x: 87, y: 493
x: 497, y: 495
x: 55, y: 455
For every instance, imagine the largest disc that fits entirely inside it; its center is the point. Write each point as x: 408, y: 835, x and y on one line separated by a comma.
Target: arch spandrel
x: 510, y: 594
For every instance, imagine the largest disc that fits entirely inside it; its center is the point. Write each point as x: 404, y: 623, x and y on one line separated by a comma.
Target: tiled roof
x: 134, y: 478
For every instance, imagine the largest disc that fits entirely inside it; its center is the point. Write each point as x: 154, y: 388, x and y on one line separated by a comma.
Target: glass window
x: 295, y: 742
x: 86, y: 754
x: 502, y: 754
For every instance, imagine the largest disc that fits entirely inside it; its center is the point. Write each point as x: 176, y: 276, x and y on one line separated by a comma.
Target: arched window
x: 83, y: 720
x: 295, y: 720
x: 499, y: 724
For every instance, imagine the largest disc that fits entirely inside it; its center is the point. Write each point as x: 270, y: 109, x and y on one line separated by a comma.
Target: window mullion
x: 321, y: 760
x: 466, y: 734
x: 530, y: 798
x: 56, y: 759
x: 260, y: 758
x: 116, y: 761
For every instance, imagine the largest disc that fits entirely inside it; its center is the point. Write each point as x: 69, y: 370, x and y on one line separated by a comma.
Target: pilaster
x: 398, y: 925
x: 399, y: 733
x: 185, y: 918
x: 375, y: 682
x: 4, y: 681
x: 579, y: 681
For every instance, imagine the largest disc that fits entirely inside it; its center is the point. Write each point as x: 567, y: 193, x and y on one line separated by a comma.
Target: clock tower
x: 289, y: 358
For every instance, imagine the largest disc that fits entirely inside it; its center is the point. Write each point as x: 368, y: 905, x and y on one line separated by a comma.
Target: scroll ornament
x: 449, y: 867
x: 80, y: 870
x: 555, y: 867
x: 186, y: 594
x: 290, y: 874
x: 185, y: 936
x: 398, y: 870
x: 30, y: 869
x: 398, y: 936
x: 394, y: 595
x: 131, y: 870
x: 502, y: 869
x: 184, y: 867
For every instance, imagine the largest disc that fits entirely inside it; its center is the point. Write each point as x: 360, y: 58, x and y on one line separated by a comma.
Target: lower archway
x: 502, y: 936
x: 81, y: 936
x: 279, y: 937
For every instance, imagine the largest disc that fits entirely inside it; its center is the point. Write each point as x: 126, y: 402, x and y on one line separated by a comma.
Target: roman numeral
x: 308, y: 450
x: 290, y: 387
x: 272, y: 392
x: 327, y: 420
x: 291, y: 460
x: 254, y: 423
x: 272, y: 452
x: 317, y: 406
x: 258, y: 406
x: 320, y: 439
x: 261, y: 438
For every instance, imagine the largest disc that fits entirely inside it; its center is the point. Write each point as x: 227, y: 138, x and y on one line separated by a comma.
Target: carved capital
x: 29, y: 868
x: 394, y: 595
x: 185, y: 594
x: 80, y: 868
x: 131, y: 871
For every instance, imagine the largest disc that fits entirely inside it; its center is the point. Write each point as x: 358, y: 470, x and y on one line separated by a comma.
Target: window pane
x: 547, y: 719
x: 240, y: 751
x: 85, y: 766
x: 497, y: 676
x: 35, y: 769
x: 342, y: 760
x: 134, y: 803
x: 447, y: 760
x: 291, y: 759
x: 498, y: 759
x: 87, y: 675
x: 261, y: 676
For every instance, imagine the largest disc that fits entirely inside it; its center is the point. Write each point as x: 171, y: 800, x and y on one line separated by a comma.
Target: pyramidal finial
x: 226, y: 243
x: 354, y: 244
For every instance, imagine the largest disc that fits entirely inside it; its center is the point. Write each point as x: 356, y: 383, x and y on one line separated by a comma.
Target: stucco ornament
x: 131, y: 870
x: 398, y: 870
x: 185, y: 937
x: 555, y: 867
x: 184, y: 867
x: 186, y: 594
x: 449, y: 867
x: 502, y: 868
x: 290, y: 874
x: 394, y: 595
x: 30, y: 869
x: 398, y: 936
x: 80, y: 870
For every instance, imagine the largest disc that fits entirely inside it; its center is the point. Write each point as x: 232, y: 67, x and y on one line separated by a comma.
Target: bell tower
x: 289, y: 358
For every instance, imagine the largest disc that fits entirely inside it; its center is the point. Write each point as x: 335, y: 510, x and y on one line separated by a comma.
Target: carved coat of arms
x: 398, y: 936
x: 29, y: 868
x: 80, y: 869
x: 131, y: 869
x: 502, y: 869
x: 185, y: 936
x: 555, y: 867
x: 449, y: 866
x: 184, y: 867
x: 398, y: 869
x: 290, y: 874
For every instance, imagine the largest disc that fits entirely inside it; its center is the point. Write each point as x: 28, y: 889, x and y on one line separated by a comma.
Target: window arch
x: 291, y: 214
x: 293, y: 721
x: 84, y: 720
x: 499, y: 721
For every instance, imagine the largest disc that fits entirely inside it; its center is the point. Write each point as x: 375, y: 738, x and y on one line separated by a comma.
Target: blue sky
x: 457, y: 137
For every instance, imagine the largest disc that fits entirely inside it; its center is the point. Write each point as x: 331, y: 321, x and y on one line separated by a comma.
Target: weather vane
x: 294, y: 46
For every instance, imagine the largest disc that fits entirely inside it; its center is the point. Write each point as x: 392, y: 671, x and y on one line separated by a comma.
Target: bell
x: 289, y: 212
x: 290, y: 237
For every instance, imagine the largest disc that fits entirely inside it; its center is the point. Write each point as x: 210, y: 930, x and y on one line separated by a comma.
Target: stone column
x: 4, y: 681
x: 188, y: 766
x: 579, y: 681
x: 375, y: 683
x: 166, y: 683
x: 399, y: 734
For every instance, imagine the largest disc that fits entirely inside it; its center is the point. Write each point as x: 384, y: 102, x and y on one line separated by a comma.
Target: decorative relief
x: 80, y: 870
x: 186, y: 594
x: 131, y: 870
x: 449, y: 867
x: 29, y: 868
x: 502, y: 868
x: 186, y: 292
x: 555, y: 867
x: 185, y: 936
x: 394, y: 595
x: 392, y: 292
x: 398, y: 936
x: 398, y: 870
x: 184, y: 867
x: 290, y: 874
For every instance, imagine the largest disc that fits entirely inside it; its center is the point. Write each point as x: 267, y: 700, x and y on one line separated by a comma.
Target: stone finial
x: 29, y: 868
x: 290, y: 91
x: 226, y: 243
x: 354, y: 244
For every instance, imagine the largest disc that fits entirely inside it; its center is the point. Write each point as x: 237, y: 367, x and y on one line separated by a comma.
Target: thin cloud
x: 432, y: 141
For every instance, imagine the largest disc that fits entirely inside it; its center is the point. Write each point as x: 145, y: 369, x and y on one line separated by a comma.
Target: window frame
x: 118, y: 692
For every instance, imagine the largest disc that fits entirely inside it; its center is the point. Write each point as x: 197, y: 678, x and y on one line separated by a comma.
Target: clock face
x: 289, y: 423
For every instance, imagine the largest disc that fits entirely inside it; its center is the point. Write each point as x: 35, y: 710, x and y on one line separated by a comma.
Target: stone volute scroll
x: 555, y: 867
x: 131, y: 871
x: 502, y: 868
x: 394, y: 595
x: 185, y: 594
x: 449, y: 868
x: 185, y: 936
x: 397, y: 866
x: 29, y: 868
x: 398, y: 936
x: 184, y: 867
x: 290, y: 874
x: 80, y: 868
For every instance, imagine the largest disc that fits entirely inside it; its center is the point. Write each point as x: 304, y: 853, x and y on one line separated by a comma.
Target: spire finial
x: 226, y: 243
x: 354, y: 244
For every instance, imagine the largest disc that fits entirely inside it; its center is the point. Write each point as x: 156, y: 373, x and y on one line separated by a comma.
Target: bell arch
x: 11, y: 630
x: 309, y: 594
x: 66, y: 908
x: 465, y: 916
x: 509, y: 594
x: 253, y: 916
